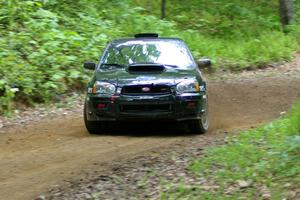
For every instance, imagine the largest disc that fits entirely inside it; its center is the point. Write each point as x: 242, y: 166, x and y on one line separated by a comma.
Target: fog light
x: 191, y: 104
x: 101, y: 105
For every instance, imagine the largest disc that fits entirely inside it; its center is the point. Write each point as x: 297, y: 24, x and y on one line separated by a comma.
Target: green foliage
x: 43, y: 43
x: 294, y: 129
x: 222, y: 18
x: 268, y: 156
x: 237, y: 54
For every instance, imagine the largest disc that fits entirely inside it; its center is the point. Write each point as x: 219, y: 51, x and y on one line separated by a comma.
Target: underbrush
x: 263, y: 163
x: 240, y: 53
x: 44, y: 43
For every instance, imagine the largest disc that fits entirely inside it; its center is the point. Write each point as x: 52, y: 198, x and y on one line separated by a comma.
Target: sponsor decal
x: 146, y: 97
x: 202, y: 88
x: 90, y: 90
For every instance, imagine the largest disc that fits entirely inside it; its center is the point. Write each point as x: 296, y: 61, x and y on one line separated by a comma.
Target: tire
x: 200, y: 126
x: 93, y: 127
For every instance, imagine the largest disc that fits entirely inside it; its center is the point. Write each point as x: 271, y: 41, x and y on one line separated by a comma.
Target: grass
x: 240, y: 53
x: 267, y: 157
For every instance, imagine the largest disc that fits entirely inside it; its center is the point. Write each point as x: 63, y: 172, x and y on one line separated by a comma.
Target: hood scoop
x: 146, y: 68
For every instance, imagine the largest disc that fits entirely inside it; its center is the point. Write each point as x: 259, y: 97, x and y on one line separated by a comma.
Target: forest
x: 43, y: 43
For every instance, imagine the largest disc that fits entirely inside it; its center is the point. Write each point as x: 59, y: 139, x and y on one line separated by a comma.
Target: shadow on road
x: 148, y: 129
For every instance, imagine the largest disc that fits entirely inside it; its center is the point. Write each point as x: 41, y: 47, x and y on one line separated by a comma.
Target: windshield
x: 173, y: 53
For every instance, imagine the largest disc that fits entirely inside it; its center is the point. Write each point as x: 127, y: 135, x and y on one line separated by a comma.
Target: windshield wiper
x: 168, y: 65
x: 113, y: 64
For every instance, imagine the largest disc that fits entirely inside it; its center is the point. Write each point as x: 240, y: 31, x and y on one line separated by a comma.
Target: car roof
x: 122, y: 40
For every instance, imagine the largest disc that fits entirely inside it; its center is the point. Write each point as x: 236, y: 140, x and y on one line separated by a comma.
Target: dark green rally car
x: 146, y: 78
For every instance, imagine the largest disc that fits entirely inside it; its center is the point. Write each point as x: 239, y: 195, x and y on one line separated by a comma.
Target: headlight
x: 104, y: 88
x: 188, y: 86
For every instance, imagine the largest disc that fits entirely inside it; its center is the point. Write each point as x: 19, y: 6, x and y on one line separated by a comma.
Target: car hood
x: 123, y: 77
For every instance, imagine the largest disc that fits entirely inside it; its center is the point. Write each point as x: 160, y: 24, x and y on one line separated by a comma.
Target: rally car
x: 146, y: 78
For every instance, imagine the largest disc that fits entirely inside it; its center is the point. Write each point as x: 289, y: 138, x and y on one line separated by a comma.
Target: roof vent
x: 146, y: 35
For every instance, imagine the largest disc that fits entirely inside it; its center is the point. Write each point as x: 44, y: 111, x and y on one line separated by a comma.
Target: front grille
x: 146, y: 108
x: 146, y: 89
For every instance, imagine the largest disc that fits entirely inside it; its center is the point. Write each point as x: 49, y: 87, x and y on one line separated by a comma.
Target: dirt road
x: 44, y: 153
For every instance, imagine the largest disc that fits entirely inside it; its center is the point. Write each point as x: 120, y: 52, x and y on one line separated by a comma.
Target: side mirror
x: 204, y: 63
x: 89, y: 65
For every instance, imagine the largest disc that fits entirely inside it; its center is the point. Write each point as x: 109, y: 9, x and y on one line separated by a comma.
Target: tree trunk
x: 163, y: 9
x: 287, y: 11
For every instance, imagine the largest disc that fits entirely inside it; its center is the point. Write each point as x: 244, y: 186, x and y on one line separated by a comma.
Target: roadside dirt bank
x: 48, y: 152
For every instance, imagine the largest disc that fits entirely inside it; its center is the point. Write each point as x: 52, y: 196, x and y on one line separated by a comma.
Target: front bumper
x: 157, y: 107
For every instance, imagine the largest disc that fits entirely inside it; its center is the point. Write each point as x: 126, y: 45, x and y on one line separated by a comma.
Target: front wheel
x: 200, y: 126
x: 93, y: 127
